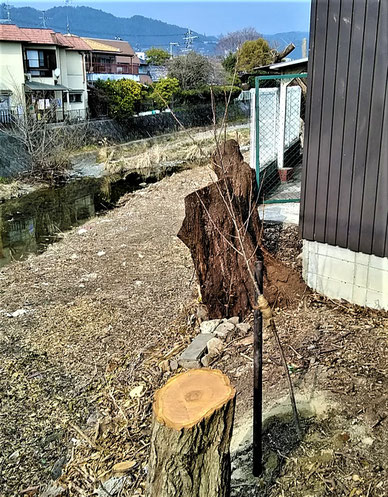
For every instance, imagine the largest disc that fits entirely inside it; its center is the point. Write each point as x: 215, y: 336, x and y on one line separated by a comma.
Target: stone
x: 207, y: 360
x: 244, y: 327
x: 234, y: 320
x: 190, y: 357
x: 209, y: 326
x: 111, y: 486
x: 164, y: 366
x: 215, y: 346
x: 173, y: 365
x: 224, y: 331
x: 57, y: 468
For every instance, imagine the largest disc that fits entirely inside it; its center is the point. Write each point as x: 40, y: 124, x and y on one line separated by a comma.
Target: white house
x: 43, y: 72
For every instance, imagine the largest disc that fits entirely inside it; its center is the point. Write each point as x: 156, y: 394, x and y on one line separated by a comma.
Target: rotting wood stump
x: 191, y: 433
x: 211, y: 233
x: 215, y: 216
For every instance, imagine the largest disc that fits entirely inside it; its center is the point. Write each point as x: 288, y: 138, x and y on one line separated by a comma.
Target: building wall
x: 344, y: 204
x: 345, y: 173
x: 11, y: 69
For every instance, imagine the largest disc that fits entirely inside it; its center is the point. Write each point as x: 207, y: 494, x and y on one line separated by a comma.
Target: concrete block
x: 378, y: 280
x: 313, y: 263
x: 376, y: 300
x: 334, y: 289
x: 336, y: 252
x: 190, y: 357
x: 336, y: 269
x: 311, y: 280
x: 359, y: 295
x: 362, y: 259
x: 360, y: 275
x: 379, y: 262
x: 209, y: 326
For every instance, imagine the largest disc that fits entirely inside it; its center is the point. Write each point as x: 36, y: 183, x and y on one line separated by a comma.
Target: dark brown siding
x: 345, y: 174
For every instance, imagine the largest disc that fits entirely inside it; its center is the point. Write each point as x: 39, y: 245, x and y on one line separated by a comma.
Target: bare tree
x: 192, y: 70
x: 231, y: 42
x: 46, y: 143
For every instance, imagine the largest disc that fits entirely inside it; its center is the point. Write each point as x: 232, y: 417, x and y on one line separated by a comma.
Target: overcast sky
x: 209, y: 17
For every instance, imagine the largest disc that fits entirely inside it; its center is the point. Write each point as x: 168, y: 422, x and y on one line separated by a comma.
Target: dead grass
x: 106, y: 306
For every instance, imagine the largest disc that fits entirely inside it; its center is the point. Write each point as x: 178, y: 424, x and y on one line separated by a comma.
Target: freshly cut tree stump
x: 192, y: 428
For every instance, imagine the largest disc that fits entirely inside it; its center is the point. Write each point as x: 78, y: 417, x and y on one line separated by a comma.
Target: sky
x: 207, y: 17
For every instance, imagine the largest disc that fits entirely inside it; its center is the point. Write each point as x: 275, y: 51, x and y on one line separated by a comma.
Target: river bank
x: 36, y: 215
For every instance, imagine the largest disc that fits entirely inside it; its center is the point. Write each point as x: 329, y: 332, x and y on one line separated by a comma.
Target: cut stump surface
x: 189, y: 397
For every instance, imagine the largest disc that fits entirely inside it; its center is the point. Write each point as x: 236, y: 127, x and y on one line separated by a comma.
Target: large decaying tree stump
x: 193, y: 419
x: 214, y: 215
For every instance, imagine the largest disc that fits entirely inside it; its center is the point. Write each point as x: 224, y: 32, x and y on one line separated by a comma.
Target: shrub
x: 124, y: 96
x: 203, y: 95
x: 164, y: 91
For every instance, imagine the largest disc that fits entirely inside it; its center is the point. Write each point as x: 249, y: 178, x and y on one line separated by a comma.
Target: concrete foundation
x: 341, y: 273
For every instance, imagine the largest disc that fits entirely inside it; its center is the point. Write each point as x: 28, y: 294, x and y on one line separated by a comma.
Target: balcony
x: 112, y: 68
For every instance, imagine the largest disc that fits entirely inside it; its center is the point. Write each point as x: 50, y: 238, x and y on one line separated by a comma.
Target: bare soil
x: 102, y: 308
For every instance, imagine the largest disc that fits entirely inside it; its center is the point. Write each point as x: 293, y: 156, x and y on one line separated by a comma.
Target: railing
x: 106, y: 68
x: 10, y: 116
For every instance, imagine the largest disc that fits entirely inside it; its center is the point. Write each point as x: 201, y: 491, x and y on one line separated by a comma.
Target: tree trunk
x: 222, y: 220
x: 192, y: 428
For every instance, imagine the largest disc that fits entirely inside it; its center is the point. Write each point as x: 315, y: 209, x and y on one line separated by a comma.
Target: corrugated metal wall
x: 345, y: 171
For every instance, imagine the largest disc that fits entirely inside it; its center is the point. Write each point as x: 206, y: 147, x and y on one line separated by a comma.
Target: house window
x: 40, y: 62
x: 75, y: 98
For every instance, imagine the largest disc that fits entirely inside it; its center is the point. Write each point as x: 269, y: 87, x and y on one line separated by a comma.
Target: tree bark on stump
x: 211, y: 234
x: 192, y: 428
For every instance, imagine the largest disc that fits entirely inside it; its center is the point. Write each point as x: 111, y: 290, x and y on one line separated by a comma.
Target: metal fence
x: 12, y: 115
x: 279, y: 105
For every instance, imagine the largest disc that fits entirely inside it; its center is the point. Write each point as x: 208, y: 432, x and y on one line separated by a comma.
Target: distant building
x: 42, y: 72
x: 144, y: 69
x: 111, y: 59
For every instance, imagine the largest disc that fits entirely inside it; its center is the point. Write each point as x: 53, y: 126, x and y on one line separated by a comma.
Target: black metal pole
x: 258, y: 379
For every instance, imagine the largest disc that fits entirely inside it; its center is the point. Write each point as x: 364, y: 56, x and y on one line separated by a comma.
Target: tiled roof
x: 124, y: 48
x: 99, y: 46
x: 76, y: 42
x: 10, y: 32
x: 39, y: 36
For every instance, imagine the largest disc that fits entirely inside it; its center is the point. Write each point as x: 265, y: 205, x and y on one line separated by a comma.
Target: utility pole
x: 189, y: 38
x: 8, y: 13
x: 67, y: 3
x: 172, y: 44
x: 44, y: 19
x: 304, y: 48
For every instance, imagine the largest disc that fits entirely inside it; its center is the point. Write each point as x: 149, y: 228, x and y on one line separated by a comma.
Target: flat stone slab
x: 191, y: 357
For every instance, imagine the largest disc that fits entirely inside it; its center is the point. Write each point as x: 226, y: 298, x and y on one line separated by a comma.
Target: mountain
x: 141, y: 32
x: 281, y: 40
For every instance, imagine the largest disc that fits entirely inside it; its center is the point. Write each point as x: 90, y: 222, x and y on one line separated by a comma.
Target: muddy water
x: 30, y: 223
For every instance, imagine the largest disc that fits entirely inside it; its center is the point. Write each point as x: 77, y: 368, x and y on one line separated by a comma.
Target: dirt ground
x: 85, y: 326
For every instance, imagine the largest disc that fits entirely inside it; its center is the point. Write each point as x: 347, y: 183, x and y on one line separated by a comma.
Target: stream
x: 30, y: 223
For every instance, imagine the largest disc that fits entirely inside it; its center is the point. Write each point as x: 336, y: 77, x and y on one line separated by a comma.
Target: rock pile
x: 211, y: 341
